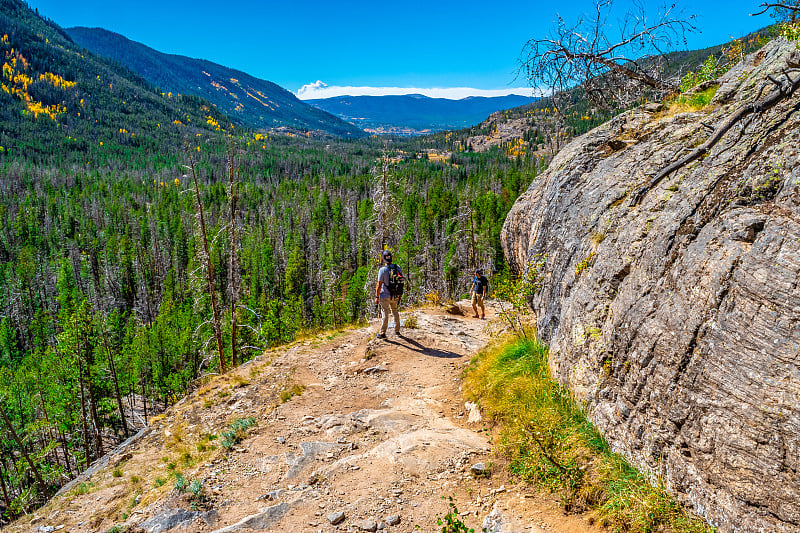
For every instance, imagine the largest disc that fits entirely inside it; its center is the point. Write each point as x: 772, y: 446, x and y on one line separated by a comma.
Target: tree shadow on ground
x: 415, y: 346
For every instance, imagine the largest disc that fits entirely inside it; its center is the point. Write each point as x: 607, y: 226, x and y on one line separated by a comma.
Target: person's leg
x: 396, y: 314
x: 475, y: 305
x: 483, y: 309
x: 385, y: 308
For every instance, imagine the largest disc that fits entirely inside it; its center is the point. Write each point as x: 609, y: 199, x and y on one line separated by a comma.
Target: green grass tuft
x: 294, y: 390
x: 83, y: 488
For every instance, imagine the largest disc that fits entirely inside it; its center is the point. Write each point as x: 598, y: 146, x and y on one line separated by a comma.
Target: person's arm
x: 485, y: 289
x: 378, y: 290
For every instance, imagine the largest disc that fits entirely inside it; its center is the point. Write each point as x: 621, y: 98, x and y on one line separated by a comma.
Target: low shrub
x: 236, y: 431
x: 290, y: 392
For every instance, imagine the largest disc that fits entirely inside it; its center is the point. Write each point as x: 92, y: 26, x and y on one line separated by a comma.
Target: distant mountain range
x: 415, y: 113
x: 246, y: 99
x: 262, y: 104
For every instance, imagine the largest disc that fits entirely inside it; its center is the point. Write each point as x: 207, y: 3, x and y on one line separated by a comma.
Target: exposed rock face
x: 678, y: 321
x: 502, y: 132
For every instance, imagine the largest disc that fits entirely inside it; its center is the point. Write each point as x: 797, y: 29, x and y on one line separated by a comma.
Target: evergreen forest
x: 145, y: 241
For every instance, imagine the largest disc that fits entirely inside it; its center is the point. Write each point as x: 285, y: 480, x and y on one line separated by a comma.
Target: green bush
x: 711, y: 69
x: 790, y: 30
x: 196, y: 488
x: 180, y: 483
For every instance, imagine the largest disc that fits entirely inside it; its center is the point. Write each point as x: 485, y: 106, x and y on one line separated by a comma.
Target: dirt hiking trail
x: 376, y: 436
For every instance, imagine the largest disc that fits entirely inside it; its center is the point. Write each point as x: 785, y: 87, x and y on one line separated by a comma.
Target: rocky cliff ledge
x: 677, y: 318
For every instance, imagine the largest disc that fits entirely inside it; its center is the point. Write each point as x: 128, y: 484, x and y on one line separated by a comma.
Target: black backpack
x: 396, y: 281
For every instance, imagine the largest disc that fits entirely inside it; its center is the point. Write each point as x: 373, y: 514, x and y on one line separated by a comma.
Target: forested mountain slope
x: 105, y: 303
x: 667, y: 244
x: 248, y: 100
x: 58, y: 99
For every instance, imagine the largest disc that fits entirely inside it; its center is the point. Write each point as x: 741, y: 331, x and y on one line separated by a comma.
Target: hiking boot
x: 397, y: 332
x: 380, y: 336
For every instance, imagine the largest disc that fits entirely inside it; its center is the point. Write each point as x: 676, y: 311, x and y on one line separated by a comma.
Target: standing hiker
x: 479, y: 287
x: 388, y: 293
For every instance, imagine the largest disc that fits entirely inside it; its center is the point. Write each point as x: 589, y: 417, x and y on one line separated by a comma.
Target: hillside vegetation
x: 247, y: 100
x: 59, y: 100
x: 104, y: 296
x: 148, y: 241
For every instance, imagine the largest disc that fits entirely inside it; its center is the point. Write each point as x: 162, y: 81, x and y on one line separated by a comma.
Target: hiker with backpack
x: 388, y: 293
x: 480, y: 286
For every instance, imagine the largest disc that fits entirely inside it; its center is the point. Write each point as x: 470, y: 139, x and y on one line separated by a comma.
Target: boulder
x: 677, y: 320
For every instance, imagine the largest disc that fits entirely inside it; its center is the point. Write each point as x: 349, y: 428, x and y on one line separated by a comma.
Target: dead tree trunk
x: 65, y: 448
x: 6, y: 499
x: 87, y: 353
x: 47, y: 421
x: 217, y: 321
x: 473, y: 258
x: 116, y: 388
x: 98, y: 434
x: 87, y: 449
x: 24, y: 452
x: 233, y: 270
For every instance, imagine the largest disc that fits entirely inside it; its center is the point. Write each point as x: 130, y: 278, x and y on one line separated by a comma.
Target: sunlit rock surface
x: 678, y: 321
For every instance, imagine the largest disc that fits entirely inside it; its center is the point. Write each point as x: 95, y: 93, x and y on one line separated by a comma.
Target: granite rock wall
x: 677, y: 321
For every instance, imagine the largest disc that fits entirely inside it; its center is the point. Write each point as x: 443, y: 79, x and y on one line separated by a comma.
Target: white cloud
x: 320, y: 89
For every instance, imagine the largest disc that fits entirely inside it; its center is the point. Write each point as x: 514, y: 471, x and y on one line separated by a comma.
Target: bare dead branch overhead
x: 615, y: 69
x: 767, y: 6
x: 784, y: 89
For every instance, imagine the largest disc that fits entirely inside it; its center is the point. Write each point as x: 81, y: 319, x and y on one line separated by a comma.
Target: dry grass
x: 290, y: 391
x: 688, y: 103
x: 411, y: 321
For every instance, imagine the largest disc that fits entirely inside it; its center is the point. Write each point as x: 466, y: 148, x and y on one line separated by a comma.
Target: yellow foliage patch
x: 16, y: 82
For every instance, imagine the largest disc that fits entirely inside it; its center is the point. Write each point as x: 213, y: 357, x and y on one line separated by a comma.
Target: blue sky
x: 409, y: 45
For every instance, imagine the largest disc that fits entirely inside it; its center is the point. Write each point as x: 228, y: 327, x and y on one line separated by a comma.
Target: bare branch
x: 768, y: 6
x: 782, y: 91
x: 615, y: 71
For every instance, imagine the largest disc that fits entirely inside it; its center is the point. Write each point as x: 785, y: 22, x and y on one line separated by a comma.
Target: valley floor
x: 376, y: 430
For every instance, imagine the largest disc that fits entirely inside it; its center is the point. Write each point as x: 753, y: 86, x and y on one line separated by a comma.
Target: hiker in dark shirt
x: 480, y: 285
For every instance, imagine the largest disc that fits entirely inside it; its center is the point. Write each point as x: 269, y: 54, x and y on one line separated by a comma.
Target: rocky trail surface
x: 377, y: 437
